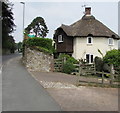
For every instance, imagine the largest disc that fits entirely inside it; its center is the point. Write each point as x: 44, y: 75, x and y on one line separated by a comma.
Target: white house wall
x: 81, y: 48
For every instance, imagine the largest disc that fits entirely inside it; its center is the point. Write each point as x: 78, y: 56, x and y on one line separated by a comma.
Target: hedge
x: 44, y: 43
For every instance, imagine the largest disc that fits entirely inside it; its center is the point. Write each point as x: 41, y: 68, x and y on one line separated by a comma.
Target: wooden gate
x: 58, y: 65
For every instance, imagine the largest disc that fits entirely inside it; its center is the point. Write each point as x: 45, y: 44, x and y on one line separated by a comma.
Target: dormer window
x: 110, y: 41
x: 89, y: 40
x: 60, y: 38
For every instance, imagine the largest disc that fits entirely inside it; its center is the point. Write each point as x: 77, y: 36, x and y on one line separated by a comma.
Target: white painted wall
x: 81, y: 48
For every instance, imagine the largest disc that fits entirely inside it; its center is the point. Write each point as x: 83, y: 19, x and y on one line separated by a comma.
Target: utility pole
x: 23, y: 16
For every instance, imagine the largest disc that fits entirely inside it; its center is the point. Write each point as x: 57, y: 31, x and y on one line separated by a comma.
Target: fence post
x: 102, y: 77
x: 79, y: 72
x: 80, y: 68
x: 111, y: 73
x: 64, y: 60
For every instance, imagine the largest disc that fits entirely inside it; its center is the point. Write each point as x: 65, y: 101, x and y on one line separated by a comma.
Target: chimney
x: 88, y: 11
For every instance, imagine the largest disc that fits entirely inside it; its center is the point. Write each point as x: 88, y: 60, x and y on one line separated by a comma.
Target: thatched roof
x: 88, y: 25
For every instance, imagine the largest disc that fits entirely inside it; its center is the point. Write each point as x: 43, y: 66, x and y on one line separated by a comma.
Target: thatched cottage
x: 83, y: 38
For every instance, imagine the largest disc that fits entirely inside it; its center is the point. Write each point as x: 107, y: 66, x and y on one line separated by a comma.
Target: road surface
x: 21, y: 92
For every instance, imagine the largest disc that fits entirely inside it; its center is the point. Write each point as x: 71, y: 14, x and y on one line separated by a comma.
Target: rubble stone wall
x: 36, y: 60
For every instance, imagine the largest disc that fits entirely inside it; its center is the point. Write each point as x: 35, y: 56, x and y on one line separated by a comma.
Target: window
x: 89, y: 58
x: 89, y: 40
x: 60, y: 38
x: 110, y: 41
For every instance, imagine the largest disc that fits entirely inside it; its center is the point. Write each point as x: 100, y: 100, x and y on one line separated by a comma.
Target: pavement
x: 21, y: 92
x: 72, y: 98
x: 55, y: 77
x: 85, y: 99
x: 66, y: 78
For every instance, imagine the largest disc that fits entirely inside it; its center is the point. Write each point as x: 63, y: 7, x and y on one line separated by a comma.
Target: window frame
x: 60, y: 38
x: 91, y: 58
x: 89, y: 37
x: 109, y: 41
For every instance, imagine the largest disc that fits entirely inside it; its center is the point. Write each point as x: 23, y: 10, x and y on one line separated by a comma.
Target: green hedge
x: 43, y: 43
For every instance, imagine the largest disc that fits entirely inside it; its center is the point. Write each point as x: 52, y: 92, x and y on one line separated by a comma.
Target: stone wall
x: 36, y: 60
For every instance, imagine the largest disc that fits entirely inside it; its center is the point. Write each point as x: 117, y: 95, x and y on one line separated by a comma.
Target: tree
x: 19, y: 46
x: 38, y: 26
x: 11, y: 44
x: 112, y: 57
x: 7, y: 25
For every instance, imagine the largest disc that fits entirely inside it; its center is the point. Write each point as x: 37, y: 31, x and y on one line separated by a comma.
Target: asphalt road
x: 5, y: 58
x: 21, y: 92
x: 3, y: 61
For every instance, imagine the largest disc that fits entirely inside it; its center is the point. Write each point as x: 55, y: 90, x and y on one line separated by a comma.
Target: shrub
x: 62, y: 56
x: 113, y: 57
x: 68, y: 68
x: 72, y: 60
x: 44, y: 50
x: 99, y: 64
x: 43, y: 43
x: 68, y: 58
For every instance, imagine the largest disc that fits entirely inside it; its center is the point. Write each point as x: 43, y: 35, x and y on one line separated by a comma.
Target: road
x: 20, y: 91
x: 3, y: 61
x: 5, y: 58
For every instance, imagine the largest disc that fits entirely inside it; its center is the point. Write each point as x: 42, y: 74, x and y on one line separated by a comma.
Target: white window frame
x: 60, y: 38
x: 88, y: 40
x: 109, y: 41
x: 90, y: 60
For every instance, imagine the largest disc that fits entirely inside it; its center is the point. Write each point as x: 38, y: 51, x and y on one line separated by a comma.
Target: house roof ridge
x: 88, y: 25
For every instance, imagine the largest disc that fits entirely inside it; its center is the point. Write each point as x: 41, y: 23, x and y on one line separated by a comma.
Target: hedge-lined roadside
x: 44, y: 44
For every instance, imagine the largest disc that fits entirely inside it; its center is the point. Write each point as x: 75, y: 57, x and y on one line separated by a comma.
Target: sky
x: 57, y: 13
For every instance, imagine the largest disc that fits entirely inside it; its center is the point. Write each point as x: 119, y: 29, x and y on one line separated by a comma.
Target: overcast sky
x: 57, y: 13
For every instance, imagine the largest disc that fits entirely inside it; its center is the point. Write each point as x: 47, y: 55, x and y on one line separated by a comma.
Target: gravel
x: 46, y: 84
